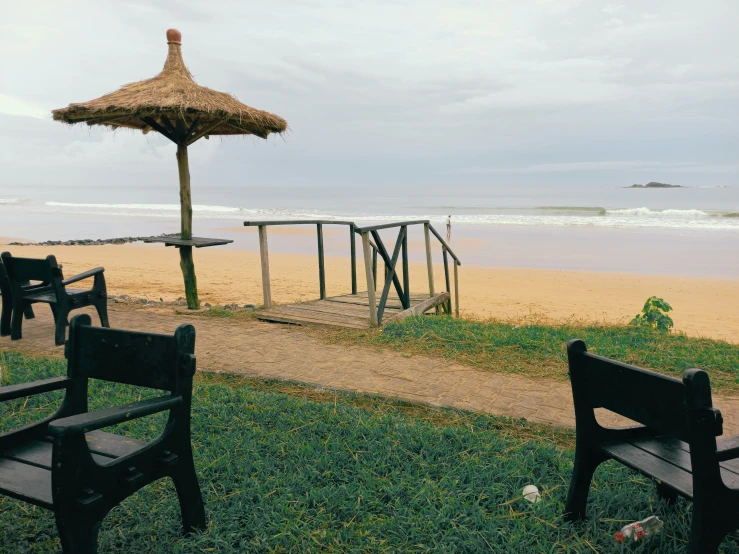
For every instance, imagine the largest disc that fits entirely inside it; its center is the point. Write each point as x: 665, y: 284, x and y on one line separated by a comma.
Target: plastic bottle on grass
x: 640, y: 529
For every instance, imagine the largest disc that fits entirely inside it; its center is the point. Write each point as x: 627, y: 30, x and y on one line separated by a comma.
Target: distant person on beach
x: 448, y: 227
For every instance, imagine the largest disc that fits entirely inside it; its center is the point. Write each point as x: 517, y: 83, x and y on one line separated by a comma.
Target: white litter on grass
x: 531, y: 494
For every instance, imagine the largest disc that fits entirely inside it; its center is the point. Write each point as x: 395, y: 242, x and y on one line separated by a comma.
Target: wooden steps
x: 350, y: 310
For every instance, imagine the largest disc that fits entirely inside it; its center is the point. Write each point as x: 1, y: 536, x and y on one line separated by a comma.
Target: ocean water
x: 681, y: 231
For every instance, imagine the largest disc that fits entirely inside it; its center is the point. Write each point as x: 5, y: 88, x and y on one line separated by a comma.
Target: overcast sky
x: 388, y: 92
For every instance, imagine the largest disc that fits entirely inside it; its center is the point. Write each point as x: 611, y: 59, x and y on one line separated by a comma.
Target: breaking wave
x: 559, y: 216
x: 646, y: 212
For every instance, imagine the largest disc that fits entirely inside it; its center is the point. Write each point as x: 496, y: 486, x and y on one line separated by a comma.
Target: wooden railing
x: 374, y: 247
x: 264, y: 252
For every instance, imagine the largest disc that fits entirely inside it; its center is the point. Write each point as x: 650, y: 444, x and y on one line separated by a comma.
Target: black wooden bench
x: 675, y: 443
x: 6, y: 310
x: 66, y: 464
x: 51, y: 289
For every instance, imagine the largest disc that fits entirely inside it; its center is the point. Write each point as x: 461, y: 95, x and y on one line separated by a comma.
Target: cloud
x: 39, y: 150
x: 412, y: 87
x: 10, y: 105
x: 610, y: 9
x: 621, y: 165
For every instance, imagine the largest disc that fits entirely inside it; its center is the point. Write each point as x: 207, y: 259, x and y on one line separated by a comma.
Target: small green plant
x: 654, y: 315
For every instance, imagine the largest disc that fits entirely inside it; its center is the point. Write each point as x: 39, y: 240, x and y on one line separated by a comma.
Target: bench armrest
x: 81, y: 276
x: 12, y: 392
x: 727, y: 449
x: 90, y: 421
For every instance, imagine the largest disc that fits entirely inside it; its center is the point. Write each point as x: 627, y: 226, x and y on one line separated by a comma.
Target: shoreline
x: 618, y: 250
x: 702, y: 306
x: 286, y: 238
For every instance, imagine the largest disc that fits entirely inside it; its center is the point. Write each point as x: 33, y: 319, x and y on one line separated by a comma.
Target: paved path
x: 286, y: 352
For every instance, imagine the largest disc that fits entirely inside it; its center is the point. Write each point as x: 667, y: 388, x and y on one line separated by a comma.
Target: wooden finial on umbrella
x: 174, y: 36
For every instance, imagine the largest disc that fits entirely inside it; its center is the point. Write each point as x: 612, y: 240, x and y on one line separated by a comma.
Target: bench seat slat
x: 729, y: 477
x: 671, y: 450
x: 112, y: 445
x: 103, y: 447
x: 26, y: 482
x: 50, y: 297
x: 35, y: 453
x: 651, y: 466
x: 731, y: 465
x: 677, y: 453
x: 667, y: 459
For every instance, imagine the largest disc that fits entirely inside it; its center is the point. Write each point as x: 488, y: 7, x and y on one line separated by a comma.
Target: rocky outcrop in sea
x: 83, y: 242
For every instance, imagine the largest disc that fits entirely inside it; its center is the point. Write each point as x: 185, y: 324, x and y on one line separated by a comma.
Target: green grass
x: 288, y: 468
x: 540, y: 351
x: 221, y: 313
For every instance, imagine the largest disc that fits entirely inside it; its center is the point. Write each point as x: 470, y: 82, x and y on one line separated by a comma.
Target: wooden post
x: 456, y: 289
x: 406, y: 276
x: 321, y: 268
x: 446, y: 278
x: 370, y: 278
x: 353, y: 249
x: 429, y: 262
x: 374, y: 266
x: 186, y: 262
x: 264, y: 256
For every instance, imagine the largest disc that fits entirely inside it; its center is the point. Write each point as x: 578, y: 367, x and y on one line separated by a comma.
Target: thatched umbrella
x: 175, y: 106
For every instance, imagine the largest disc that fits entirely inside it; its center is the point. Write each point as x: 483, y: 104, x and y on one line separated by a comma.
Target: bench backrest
x: 655, y: 400
x: 31, y: 269
x: 4, y: 283
x: 130, y: 357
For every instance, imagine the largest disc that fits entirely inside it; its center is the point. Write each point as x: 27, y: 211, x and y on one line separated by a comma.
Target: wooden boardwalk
x: 349, y: 310
x: 388, y: 298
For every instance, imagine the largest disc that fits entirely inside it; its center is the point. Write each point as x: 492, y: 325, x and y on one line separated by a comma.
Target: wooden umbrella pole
x: 186, y: 262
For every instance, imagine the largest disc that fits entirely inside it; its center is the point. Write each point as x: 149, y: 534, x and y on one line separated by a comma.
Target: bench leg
x: 102, y: 309
x: 713, y: 518
x: 28, y: 312
x: 28, y: 309
x: 7, y: 311
x: 188, y: 492
x: 16, y: 323
x: 61, y: 325
x: 79, y: 535
x: 582, y: 475
x: 704, y: 540
x: 667, y: 493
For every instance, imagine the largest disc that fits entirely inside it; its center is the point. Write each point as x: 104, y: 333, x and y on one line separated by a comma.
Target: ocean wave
x: 609, y: 221
x: 612, y: 221
x: 11, y: 200
x: 147, y: 207
x: 573, y: 210
x: 553, y: 210
x: 556, y: 216
x: 647, y: 212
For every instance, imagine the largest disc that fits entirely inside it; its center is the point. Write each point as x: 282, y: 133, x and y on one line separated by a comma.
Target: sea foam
x: 558, y: 216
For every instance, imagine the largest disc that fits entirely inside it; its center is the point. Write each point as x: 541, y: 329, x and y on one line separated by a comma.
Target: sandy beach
x: 702, y: 307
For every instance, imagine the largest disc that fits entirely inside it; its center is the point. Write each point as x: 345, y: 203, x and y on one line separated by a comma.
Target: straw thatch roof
x: 173, y: 104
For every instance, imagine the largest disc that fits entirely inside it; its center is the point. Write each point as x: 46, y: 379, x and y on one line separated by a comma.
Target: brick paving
x: 269, y: 350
